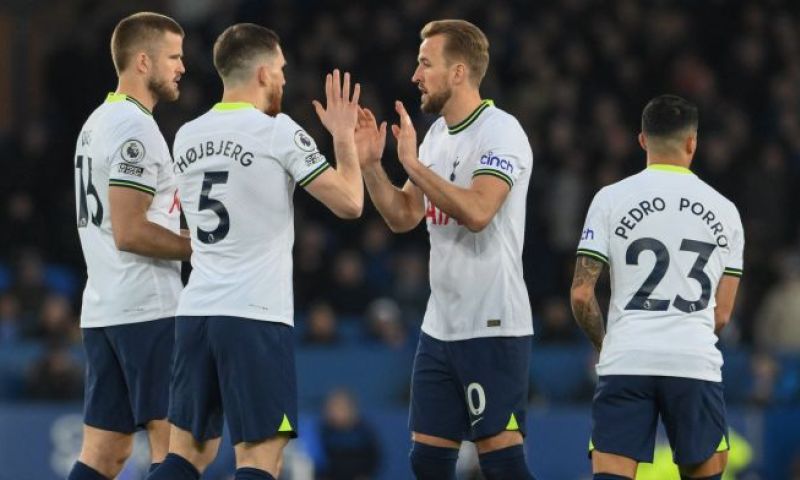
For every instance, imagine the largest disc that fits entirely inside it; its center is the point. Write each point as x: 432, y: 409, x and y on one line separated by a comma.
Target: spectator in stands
x: 321, y: 326
x: 411, y: 286
x: 57, y: 322
x: 55, y: 376
x: 9, y: 320
x: 557, y: 325
x: 385, y: 323
x: 348, y: 291
x: 29, y: 286
x: 376, y: 244
x: 349, y: 443
x: 778, y: 325
x: 309, y: 267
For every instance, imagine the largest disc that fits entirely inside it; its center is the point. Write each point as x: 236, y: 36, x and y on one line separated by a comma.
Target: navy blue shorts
x: 626, y: 408
x: 470, y: 389
x: 127, y: 374
x: 245, y: 365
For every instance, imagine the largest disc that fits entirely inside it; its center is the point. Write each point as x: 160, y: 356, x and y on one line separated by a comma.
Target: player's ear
x: 691, y: 144
x: 142, y: 62
x: 262, y: 74
x: 643, y: 141
x: 459, y: 73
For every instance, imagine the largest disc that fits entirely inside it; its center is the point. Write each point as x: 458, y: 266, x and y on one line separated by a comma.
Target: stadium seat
x: 61, y: 279
x: 14, y: 363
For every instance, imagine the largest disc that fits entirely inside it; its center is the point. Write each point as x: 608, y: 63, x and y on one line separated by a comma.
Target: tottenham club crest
x: 304, y: 142
x: 132, y: 151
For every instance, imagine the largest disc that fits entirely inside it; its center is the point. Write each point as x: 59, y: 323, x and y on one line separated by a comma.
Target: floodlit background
x: 576, y: 73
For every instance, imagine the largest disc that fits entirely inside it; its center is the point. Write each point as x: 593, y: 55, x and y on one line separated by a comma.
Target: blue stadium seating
x: 561, y: 373
x: 376, y: 375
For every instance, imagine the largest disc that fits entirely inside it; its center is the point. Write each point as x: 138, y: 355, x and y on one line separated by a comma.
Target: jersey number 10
x: 641, y: 299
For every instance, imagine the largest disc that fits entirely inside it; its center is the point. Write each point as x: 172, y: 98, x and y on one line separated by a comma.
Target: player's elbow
x: 477, y: 222
x: 350, y: 210
x: 124, y: 239
x: 580, y: 296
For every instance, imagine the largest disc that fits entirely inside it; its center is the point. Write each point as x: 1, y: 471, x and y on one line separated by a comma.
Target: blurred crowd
x: 576, y: 73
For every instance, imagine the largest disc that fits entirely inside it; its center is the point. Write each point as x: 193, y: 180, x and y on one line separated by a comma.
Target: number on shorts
x: 474, y: 390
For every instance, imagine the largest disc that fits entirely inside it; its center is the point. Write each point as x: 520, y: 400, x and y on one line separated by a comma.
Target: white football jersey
x: 237, y: 169
x: 121, y: 145
x: 477, y: 287
x: 668, y: 238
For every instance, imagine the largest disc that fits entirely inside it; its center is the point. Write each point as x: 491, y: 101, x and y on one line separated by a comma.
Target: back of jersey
x: 237, y: 169
x: 120, y: 145
x: 668, y: 238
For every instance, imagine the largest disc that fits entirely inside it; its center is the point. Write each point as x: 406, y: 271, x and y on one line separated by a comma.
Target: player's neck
x: 460, y: 106
x: 138, y: 91
x: 242, y: 95
x: 665, y: 160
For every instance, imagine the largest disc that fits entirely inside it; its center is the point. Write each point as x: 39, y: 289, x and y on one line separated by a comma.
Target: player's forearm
x: 348, y: 167
x: 464, y: 205
x: 585, y: 307
x: 590, y: 318
x: 152, y: 240
x: 392, y: 203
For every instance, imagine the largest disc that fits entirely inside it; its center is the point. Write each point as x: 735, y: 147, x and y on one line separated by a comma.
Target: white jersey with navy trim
x: 121, y: 145
x: 477, y: 286
x: 668, y: 238
x: 237, y: 169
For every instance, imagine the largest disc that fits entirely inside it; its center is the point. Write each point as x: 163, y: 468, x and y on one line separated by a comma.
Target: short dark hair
x: 137, y: 31
x: 463, y: 41
x: 236, y: 47
x: 667, y: 115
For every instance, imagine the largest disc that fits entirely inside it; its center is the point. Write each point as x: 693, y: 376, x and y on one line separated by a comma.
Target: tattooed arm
x: 584, y: 302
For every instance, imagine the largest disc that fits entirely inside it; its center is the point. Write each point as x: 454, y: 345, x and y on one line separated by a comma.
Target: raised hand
x: 406, y: 137
x: 370, y: 140
x: 340, y: 114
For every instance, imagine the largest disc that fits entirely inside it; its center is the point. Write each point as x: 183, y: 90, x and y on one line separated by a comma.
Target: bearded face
x: 165, y: 90
x: 434, y: 102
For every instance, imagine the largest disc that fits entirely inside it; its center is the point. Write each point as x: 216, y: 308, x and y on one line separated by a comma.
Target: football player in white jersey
x: 469, y: 182
x: 674, y: 250
x: 128, y: 223
x: 237, y: 168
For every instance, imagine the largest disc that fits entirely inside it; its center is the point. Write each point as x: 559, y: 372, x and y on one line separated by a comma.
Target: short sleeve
x: 297, y: 152
x: 507, y: 155
x: 135, y: 157
x: 735, y: 261
x: 594, y: 237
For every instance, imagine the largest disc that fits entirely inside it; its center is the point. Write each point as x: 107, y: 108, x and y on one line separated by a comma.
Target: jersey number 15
x: 85, y: 189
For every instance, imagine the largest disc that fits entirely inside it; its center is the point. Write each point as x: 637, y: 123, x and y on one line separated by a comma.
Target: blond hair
x: 463, y: 41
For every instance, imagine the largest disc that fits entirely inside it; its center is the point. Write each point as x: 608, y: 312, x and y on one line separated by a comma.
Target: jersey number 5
x: 641, y: 299
x: 84, y: 190
x: 207, y: 203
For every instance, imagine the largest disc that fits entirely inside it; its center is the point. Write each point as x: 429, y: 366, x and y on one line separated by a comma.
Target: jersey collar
x: 670, y: 168
x: 227, y: 106
x: 462, y: 125
x: 114, y: 97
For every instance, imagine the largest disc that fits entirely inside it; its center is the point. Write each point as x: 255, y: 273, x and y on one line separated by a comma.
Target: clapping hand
x: 340, y: 114
x: 406, y: 137
x: 370, y: 139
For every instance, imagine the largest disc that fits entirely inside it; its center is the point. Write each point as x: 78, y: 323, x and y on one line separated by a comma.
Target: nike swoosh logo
x: 476, y: 421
